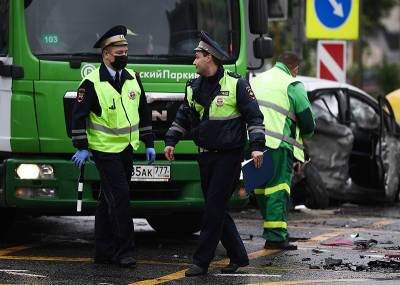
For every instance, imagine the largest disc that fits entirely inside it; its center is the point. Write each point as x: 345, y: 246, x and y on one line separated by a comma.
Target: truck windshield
x: 157, y: 29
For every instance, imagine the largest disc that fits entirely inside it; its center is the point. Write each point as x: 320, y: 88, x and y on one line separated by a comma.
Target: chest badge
x: 132, y: 95
x: 220, y: 101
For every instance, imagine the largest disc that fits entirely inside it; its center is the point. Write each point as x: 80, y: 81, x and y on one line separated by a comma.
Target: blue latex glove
x: 150, y: 154
x: 80, y: 157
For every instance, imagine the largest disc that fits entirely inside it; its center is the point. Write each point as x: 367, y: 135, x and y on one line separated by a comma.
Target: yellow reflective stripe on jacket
x: 275, y: 225
x: 271, y: 190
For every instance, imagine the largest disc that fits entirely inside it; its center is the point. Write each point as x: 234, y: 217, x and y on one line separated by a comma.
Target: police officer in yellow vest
x: 289, y: 118
x: 216, y: 109
x: 110, y: 116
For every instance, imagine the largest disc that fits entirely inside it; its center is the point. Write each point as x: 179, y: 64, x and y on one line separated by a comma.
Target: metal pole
x: 298, y: 27
x: 360, y: 48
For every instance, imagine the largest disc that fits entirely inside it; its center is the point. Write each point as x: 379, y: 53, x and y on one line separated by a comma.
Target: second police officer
x: 217, y: 107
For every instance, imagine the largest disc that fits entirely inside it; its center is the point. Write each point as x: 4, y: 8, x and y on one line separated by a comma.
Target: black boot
x: 195, y: 270
x: 127, y: 262
x: 232, y: 267
x: 283, y: 245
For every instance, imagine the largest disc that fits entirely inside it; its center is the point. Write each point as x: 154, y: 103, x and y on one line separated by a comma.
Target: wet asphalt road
x: 58, y: 250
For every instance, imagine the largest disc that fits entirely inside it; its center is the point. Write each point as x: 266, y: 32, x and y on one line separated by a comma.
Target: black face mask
x: 119, y: 62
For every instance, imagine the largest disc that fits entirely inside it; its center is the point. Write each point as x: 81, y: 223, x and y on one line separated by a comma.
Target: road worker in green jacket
x: 288, y: 119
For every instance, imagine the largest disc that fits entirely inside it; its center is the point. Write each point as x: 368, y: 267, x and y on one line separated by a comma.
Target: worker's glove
x: 80, y: 157
x: 150, y: 154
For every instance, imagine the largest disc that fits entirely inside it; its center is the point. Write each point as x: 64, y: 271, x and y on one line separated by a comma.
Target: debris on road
x: 338, y: 242
x: 393, y: 254
x: 364, y: 244
x: 317, y: 250
x: 314, y: 267
x: 384, y: 264
x: 392, y: 247
x: 331, y: 262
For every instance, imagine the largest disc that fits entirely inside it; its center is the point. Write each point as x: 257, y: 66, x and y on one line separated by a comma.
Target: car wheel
x: 311, y: 190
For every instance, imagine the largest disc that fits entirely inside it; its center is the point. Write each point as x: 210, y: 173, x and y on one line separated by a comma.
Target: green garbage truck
x: 46, y: 50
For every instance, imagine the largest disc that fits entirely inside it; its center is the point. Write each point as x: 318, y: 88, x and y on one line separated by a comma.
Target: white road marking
x: 26, y: 274
x: 12, y: 270
x: 21, y: 272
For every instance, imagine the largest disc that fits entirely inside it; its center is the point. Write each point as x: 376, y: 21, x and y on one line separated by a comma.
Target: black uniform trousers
x: 114, y: 229
x: 219, y: 173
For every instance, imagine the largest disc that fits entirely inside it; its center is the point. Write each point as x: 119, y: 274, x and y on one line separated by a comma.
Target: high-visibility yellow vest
x: 118, y: 125
x: 271, y: 90
x: 224, y: 105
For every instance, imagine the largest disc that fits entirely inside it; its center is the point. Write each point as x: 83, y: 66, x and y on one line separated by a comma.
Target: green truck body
x: 42, y: 65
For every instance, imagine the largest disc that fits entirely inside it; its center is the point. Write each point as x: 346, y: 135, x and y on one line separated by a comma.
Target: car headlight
x: 35, y: 171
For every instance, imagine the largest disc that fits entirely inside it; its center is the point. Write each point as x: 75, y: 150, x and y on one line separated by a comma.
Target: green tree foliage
x: 372, y: 13
x: 388, y: 76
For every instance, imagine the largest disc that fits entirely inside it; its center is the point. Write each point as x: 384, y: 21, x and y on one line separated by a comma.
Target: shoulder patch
x: 233, y: 74
x: 80, y: 96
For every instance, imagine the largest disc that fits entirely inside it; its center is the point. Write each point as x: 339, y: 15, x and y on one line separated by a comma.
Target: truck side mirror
x: 11, y: 70
x: 263, y: 47
x: 258, y: 16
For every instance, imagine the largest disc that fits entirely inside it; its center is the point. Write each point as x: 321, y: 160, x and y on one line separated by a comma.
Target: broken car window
x: 326, y: 106
x: 363, y: 115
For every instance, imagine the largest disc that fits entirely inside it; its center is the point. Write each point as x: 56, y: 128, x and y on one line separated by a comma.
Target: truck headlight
x: 35, y: 171
x: 28, y: 171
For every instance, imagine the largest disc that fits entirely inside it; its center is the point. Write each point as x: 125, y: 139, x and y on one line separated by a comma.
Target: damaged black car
x: 355, y: 151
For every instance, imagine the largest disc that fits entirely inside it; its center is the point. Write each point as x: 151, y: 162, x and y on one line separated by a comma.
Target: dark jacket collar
x: 106, y: 76
x: 212, y: 79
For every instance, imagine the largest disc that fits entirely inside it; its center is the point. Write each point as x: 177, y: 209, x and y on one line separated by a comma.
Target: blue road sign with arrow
x: 333, y: 13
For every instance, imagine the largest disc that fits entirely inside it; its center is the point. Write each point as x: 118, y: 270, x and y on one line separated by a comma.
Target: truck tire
x: 310, y: 190
x: 176, y: 223
x: 7, y: 217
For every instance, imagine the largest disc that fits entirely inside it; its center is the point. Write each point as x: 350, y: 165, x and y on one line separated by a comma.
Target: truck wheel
x: 7, y: 217
x: 176, y: 223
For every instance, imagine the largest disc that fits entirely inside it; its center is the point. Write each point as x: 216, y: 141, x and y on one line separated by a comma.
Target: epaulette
x: 233, y: 74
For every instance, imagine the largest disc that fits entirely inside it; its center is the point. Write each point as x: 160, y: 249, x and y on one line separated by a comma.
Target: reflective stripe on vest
x: 284, y: 138
x: 111, y: 131
x: 223, y: 107
x: 278, y: 109
x: 270, y: 89
x: 118, y: 125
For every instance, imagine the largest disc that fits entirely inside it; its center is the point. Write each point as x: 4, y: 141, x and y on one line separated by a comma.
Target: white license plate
x: 151, y: 173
